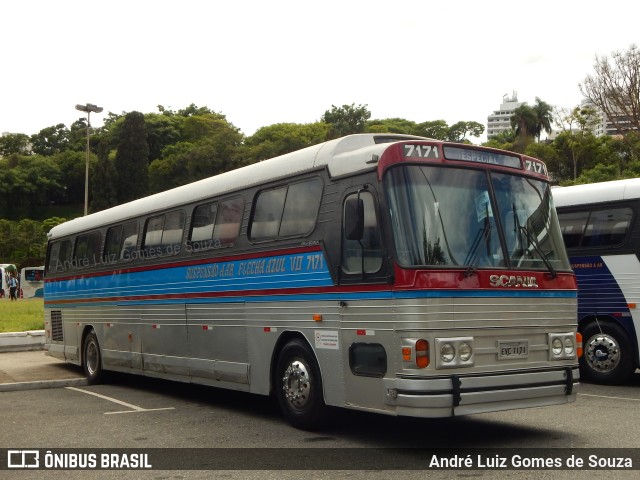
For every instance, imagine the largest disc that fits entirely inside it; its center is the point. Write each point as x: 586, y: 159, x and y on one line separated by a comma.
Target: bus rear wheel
x: 607, y: 355
x: 92, y: 358
x: 299, y: 386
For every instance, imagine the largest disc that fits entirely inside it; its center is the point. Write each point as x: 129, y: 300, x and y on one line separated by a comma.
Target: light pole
x: 89, y: 107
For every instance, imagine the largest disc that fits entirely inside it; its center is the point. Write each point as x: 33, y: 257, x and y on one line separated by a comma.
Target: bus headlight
x: 454, y: 352
x: 562, y: 346
x: 465, y: 352
x: 569, y: 347
x: 447, y: 353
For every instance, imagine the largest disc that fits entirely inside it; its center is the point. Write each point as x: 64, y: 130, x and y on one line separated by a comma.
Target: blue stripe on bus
x: 329, y: 296
x: 598, y: 290
x: 266, y: 279
x: 306, y: 270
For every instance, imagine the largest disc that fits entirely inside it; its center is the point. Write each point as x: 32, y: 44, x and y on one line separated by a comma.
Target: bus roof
x: 593, y: 193
x: 342, y: 156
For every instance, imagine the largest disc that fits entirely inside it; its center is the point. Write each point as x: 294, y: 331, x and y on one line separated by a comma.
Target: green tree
x: 72, y: 165
x: 458, y: 131
x: 577, y: 126
x: 281, y: 138
x: 436, y: 129
x: 391, y: 125
x: 104, y: 181
x: 162, y: 130
x: 50, y: 140
x: 132, y: 158
x: 346, y: 120
x: 14, y: 143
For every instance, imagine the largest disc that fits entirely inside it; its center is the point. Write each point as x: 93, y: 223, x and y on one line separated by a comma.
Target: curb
x: 22, y: 341
x: 41, y: 384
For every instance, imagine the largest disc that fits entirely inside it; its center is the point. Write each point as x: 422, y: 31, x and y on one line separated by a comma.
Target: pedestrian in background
x: 13, y: 286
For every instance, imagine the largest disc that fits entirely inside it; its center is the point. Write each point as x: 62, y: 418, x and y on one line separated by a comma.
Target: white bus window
x: 268, y: 213
x: 301, y: 208
x: 59, y: 256
x: 204, y: 218
x: 287, y: 211
x: 120, y: 242
x: 153, y: 232
x: 129, y: 240
x: 228, y: 221
x: 172, y: 231
x: 87, y: 249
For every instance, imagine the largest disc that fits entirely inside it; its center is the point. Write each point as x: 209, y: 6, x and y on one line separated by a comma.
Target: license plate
x: 513, y: 349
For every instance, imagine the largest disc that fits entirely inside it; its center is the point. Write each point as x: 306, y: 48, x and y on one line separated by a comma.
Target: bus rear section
x: 600, y: 228
x: 391, y: 274
x: 32, y: 282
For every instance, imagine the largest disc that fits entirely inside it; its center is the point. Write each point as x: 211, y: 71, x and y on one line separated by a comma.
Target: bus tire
x: 607, y: 354
x: 92, y: 358
x: 299, y: 386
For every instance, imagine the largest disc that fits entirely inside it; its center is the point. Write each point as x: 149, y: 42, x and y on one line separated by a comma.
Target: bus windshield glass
x: 450, y: 217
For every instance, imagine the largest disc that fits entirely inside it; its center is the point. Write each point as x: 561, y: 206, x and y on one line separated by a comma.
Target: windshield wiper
x: 533, y: 241
x: 473, y: 257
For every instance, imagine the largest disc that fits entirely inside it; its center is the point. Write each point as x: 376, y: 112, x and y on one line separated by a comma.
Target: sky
x: 263, y: 62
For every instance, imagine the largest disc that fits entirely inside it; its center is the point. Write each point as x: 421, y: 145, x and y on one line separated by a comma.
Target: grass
x: 21, y: 315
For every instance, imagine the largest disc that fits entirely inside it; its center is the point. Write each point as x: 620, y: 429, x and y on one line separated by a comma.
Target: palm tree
x: 544, y: 117
x: 523, y: 122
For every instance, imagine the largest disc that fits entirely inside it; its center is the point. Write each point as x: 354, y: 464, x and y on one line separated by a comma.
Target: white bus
x: 32, y: 282
x: 6, y: 269
x: 601, y: 231
x: 386, y: 273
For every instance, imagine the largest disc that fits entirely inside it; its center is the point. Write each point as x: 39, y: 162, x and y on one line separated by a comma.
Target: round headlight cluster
x: 448, y: 352
x: 557, y: 346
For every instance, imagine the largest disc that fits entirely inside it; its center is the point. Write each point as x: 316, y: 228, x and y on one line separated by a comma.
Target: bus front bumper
x: 458, y: 395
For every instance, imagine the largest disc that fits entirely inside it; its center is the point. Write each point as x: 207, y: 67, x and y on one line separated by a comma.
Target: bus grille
x: 56, y: 326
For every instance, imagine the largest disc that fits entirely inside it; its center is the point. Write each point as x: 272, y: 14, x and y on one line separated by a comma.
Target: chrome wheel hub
x: 296, y: 384
x: 602, y: 353
x: 92, y: 358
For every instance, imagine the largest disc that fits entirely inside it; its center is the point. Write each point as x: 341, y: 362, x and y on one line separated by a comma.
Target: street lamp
x: 89, y: 107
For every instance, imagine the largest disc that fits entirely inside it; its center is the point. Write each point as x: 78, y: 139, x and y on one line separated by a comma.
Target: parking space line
x: 609, y: 397
x: 134, y: 408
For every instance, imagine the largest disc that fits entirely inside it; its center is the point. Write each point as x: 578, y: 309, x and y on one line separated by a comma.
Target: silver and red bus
x: 386, y: 273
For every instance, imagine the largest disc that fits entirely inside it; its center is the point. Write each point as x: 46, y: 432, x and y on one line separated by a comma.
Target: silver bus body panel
x: 226, y: 345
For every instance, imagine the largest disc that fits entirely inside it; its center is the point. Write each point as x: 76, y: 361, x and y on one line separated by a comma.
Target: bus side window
x: 572, y: 226
x: 120, y: 242
x: 287, y: 211
x: 216, y: 225
x: 227, y: 227
x: 163, y: 233
x: 607, y: 228
x: 112, y: 244
x: 87, y: 251
x: 369, y: 248
x: 129, y: 240
x: 59, y: 256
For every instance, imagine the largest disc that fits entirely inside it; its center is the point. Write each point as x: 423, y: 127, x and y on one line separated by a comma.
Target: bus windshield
x: 450, y: 217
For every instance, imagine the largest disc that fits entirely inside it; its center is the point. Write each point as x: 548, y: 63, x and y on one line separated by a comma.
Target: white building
x: 500, y: 120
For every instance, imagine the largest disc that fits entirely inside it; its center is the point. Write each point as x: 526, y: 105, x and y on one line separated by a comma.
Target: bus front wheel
x: 299, y: 386
x: 607, y: 354
x: 91, y: 358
